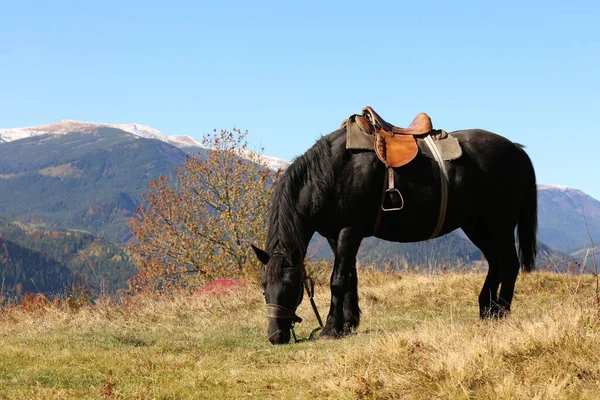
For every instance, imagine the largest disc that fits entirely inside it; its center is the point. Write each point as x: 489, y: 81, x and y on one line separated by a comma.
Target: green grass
x: 420, y: 337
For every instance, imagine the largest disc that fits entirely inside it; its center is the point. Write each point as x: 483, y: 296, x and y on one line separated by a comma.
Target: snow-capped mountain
x: 274, y: 162
x: 68, y: 126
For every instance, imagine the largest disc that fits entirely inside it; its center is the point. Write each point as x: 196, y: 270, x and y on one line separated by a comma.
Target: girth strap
x: 443, y: 185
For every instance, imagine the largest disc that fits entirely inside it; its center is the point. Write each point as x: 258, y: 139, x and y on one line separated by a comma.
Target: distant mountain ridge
x: 562, y: 224
x: 68, y: 126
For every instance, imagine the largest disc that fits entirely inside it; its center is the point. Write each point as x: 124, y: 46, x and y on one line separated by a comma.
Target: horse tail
x: 527, y: 224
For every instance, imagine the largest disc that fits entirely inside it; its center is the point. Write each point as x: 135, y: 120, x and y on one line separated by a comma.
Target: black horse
x: 337, y: 192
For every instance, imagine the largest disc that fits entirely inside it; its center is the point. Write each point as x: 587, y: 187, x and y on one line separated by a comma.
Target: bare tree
x: 194, y: 226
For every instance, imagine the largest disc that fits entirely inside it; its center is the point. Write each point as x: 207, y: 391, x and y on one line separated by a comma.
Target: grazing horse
x: 337, y: 192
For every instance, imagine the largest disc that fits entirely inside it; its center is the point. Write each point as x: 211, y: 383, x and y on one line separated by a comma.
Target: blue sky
x: 291, y: 73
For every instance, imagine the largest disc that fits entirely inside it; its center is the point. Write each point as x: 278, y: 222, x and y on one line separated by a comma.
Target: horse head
x: 282, y: 282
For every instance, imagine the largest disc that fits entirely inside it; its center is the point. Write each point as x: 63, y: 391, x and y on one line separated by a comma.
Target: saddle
x: 395, y: 146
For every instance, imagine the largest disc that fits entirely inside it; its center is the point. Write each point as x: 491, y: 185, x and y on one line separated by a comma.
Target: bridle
x: 280, y: 312
x: 276, y: 311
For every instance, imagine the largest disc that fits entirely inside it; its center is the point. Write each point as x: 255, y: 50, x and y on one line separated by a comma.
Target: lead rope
x: 310, y: 290
x: 309, y: 285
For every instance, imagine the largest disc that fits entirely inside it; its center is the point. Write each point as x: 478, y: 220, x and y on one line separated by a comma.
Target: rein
x: 279, y: 312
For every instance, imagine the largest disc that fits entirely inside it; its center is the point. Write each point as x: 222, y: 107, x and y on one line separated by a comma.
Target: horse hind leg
x: 488, y: 297
x: 509, y: 270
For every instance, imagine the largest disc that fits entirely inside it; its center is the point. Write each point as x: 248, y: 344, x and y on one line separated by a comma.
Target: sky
x: 290, y: 73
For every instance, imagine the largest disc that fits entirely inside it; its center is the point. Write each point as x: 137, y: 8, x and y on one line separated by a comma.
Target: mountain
x: 91, y: 181
x: 85, y: 175
x: 68, y: 127
x: 562, y: 225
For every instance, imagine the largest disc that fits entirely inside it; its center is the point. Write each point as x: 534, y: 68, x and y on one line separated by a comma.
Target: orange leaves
x: 195, y: 226
x: 35, y: 303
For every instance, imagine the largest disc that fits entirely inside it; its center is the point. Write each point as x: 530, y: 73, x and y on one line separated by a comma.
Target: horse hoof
x: 495, y: 312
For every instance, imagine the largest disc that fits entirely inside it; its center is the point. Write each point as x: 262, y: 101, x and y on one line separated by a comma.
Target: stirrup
x: 391, y: 189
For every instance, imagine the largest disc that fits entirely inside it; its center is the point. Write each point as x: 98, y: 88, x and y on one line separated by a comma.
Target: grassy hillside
x: 420, y: 338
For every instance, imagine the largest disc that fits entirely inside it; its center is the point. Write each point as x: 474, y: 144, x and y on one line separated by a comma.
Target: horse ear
x: 262, y: 255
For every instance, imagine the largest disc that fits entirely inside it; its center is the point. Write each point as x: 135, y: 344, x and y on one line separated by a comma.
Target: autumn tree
x: 195, y: 225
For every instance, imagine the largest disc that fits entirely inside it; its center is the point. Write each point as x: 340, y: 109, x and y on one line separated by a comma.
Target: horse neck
x: 293, y: 218
x: 289, y: 241
x: 290, y: 228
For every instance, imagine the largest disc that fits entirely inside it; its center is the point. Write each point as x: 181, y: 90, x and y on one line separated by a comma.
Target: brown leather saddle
x: 395, y: 146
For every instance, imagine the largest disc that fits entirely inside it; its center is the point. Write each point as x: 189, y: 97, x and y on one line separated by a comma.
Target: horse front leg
x: 344, y: 313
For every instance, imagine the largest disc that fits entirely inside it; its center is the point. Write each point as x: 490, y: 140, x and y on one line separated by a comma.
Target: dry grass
x: 420, y: 338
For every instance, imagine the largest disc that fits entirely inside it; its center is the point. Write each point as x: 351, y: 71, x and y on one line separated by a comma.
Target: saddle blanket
x: 359, y: 137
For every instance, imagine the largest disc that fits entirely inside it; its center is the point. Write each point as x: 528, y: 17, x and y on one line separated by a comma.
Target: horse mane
x: 287, y: 218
